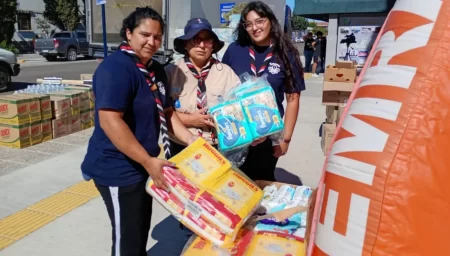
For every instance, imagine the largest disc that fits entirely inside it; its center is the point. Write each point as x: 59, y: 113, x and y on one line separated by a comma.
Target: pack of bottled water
x: 48, y: 85
x: 42, y: 88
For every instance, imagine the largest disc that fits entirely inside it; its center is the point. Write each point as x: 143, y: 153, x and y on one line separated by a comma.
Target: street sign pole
x: 105, y: 46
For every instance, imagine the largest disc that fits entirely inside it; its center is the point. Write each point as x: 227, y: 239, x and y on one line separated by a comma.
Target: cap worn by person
x: 192, y: 28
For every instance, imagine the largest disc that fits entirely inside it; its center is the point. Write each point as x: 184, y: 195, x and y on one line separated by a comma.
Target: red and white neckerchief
x: 265, y: 64
x: 153, y: 85
x: 201, y: 86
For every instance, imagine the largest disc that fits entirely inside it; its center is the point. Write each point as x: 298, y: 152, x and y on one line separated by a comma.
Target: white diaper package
x: 286, y: 197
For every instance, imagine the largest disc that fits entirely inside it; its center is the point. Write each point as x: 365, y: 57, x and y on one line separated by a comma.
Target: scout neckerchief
x: 201, y: 86
x: 152, y: 84
x: 265, y: 63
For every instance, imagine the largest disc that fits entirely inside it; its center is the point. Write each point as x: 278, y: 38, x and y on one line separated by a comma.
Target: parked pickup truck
x: 63, y: 44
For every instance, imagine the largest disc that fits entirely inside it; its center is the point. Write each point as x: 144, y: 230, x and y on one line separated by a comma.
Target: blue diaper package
x: 233, y: 130
x: 262, y: 112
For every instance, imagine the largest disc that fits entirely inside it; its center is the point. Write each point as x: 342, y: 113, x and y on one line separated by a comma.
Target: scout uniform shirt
x: 220, y: 80
x: 120, y: 86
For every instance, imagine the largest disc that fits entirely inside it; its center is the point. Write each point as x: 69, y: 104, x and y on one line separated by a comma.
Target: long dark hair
x: 282, y: 44
x: 134, y: 19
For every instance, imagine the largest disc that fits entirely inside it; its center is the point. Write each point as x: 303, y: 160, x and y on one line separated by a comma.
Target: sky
x: 291, y: 3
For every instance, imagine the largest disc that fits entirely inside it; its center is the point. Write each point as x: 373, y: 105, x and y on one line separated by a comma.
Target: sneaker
x: 315, y: 75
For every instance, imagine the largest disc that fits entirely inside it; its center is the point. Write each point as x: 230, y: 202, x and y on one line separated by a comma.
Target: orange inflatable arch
x: 385, y: 188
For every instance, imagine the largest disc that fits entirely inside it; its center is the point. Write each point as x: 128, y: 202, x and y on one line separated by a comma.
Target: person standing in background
x: 317, y: 44
x: 308, y: 51
x: 262, y: 48
x: 323, y: 52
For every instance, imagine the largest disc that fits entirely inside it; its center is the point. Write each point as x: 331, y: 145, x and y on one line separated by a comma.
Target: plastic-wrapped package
x: 262, y: 112
x: 233, y: 130
x: 246, y: 113
x: 197, y: 246
x: 278, y: 197
x: 207, y: 194
x: 274, y: 244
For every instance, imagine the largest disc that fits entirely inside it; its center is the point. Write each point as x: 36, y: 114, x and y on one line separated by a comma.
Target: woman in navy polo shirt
x: 262, y: 48
x: 132, y: 107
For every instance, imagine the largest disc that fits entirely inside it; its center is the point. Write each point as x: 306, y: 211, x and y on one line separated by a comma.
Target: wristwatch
x: 286, y: 140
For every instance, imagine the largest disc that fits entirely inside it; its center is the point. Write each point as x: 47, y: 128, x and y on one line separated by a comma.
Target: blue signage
x: 224, y: 8
x: 100, y: 2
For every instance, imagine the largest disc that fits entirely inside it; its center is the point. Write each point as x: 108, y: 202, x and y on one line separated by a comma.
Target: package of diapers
x: 188, y: 214
x: 215, y: 199
x: 275, y: 244
x: 279, y: 197
x: 233, y: 130
x: 261, y: 111
x: 197, y: 246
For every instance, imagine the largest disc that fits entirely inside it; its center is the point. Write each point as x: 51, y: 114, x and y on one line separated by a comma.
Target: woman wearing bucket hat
x: 262, y: 48
x: 198, y: 79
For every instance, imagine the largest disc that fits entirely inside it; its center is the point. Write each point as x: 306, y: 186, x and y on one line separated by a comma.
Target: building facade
x: 32, y: 10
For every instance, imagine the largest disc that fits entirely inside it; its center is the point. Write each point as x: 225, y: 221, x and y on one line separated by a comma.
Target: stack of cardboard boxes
x: 24, y: 120
x: 338, y: 84
x: 73, y: 110
x: 29, y: 119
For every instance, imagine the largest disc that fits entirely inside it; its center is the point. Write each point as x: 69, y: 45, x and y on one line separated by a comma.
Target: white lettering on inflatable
x: 352, y: 243
x: 361, y: 142
x: 367, y: 138
x: 397, y: 75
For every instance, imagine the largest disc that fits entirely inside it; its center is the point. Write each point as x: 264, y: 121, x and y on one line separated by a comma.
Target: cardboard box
x: 59, y: 127
x: 86, y: 120
x: 345, y: 64
x: 86, y: 77
x: 84, y: 89
x: 14, y: 111
x: 336, y: 93
x: 333, y: 114
x: 335, y: 74
x: 15, y: 136
x: 74, y: 124
x: 60, y: 107
x: 86, y: 96
x: 74, y: 97
x: 46, y: 130
x: 328, y: 131
x: 36, y: 133
x: 34, y: 106
x: 46, y: 106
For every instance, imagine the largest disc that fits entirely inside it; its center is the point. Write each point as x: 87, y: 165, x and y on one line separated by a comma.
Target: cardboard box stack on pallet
x: 337, y: 87
x: 28, y: 119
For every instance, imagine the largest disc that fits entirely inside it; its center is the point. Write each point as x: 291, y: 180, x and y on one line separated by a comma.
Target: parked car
x: 8, y: 68
x: 67, y: 44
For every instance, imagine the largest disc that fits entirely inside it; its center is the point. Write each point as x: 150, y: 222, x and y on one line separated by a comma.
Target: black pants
x: 260, y: 163
x: 130, y: 211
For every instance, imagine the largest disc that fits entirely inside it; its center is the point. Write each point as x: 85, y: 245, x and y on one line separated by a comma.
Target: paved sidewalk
x: 86, y: 229
x: 22, y: 58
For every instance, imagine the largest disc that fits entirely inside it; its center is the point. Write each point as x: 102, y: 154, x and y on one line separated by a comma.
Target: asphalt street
x: 30, y: 71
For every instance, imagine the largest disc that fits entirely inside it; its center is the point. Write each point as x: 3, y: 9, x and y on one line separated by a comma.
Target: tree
x: 299, y: 23
x: 43, y: 24
x: 8, y: 17
x: 64, y: 14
